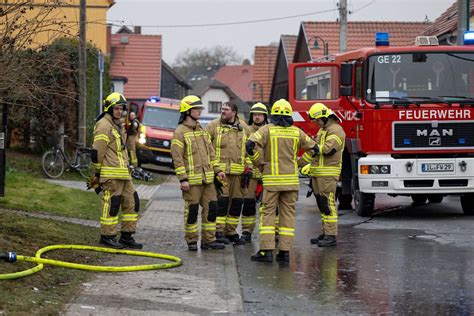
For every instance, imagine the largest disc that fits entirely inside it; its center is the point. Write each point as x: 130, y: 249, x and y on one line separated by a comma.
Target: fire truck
x: 408, y: 116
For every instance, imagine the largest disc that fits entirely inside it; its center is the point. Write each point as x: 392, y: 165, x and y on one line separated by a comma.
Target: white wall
x: 214, y: 95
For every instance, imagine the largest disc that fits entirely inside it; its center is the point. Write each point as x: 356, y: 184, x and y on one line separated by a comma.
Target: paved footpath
x: 206, y: 283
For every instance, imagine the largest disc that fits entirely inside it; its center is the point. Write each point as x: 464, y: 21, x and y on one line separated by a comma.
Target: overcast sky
x: 163, y: 15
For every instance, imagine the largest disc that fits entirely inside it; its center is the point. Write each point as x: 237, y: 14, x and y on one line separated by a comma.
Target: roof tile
x: 265, y: 61
x: 238, y: 78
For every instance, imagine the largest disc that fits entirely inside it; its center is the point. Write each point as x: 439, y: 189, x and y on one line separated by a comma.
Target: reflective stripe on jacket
x: 229, y: 144
x: 112, y: 156
x: 193, y: 155
x: 328, y: 162
x: 279, y: 147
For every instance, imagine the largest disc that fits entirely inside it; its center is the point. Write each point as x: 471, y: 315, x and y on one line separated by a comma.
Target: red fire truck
x: 408, y: 116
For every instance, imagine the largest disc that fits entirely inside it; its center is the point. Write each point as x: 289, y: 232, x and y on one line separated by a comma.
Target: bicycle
x: 54, y: 161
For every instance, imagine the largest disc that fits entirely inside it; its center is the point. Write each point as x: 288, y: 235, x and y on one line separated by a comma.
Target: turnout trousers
x: 119, y: 194
x: 230, y: 205
x: 285, y: 201
x: 204, y: 195
x: 249, y: 210
x: 324, y: 189
x: 132, y: 149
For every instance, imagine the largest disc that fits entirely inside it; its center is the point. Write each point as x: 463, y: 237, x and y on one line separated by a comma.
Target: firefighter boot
x: 327, y: 241
x: 192, y: 246
x: 263, y: 256
x: 221, y: 239
x: 110, y: 241
x: 317, y: 239
x: 212, y: 245
x: 127, y: 240
x: 283, y: 256
x: 247, y: 236
x: 236, y: 240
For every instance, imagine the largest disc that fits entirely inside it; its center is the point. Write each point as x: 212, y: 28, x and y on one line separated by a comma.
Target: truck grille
x: 439, y: 135
x: 159, y: 143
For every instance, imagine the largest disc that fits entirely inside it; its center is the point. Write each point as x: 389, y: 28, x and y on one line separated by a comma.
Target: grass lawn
x: 46, y: 292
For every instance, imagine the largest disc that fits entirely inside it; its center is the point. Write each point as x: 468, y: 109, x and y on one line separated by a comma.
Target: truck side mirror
x: 346, y: 79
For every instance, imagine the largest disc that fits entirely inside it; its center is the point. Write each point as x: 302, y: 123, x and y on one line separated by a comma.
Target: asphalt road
x: 403, y: 260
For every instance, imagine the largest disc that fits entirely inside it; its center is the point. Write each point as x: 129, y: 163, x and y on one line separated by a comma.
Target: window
x: 316, y: 83
x: 215, y: 106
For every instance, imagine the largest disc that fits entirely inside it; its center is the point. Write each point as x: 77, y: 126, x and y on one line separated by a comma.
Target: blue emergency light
x: 382, y: 39
x: 154, y: 99
x: 462, y: 141
x: 469, y: 38
x: 406, y: 141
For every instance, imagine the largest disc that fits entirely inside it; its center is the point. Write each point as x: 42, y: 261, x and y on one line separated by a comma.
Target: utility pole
x: 463, y: 19
x: 82, y: 73
x: 342, y: 26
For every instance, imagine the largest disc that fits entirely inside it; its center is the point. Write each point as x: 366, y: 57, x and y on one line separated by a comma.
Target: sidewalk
x: 206, y: 283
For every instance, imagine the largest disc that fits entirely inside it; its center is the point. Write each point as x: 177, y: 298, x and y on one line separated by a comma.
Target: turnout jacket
x: 193, y: 155
x: 280, y: 147
x: 256, y: 173
x: 229, y: 143
x: 328, y: 162
x: 112, y: 157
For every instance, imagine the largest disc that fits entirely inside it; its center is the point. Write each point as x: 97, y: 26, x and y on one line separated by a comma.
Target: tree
x: 204, y: 57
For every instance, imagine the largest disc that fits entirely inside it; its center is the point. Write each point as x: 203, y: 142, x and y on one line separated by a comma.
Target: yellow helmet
x: 189, y: 102
x: 282, y: 107
x: 259, y: 108
x: 319, y: 110
x: 112, y: 100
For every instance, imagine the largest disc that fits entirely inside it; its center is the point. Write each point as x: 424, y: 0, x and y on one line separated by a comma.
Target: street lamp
x: 253, y: 85
x: 317, y: 46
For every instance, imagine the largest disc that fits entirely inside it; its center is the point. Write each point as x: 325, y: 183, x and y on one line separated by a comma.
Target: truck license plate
x: 437, y: 167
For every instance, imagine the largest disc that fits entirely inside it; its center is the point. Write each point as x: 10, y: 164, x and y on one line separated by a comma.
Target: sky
x: 164, y: 16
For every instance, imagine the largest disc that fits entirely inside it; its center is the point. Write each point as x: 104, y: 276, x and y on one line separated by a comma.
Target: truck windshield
x: 160, y: 117
x: 420, y: 78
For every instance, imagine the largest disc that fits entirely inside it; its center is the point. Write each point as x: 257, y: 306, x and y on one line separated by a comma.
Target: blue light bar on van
x: 382, y: 39
x: 469, y: 38
x: 154, y: 99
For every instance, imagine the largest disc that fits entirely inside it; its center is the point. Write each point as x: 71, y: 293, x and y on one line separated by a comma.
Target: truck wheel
x: 364, y: 203
x: 419, y: 199
x: 435, y: 198
x: 345, y: 201
x: 467, y: 203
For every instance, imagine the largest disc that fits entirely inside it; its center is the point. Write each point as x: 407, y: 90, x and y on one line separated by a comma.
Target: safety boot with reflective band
x: 263, y: 256
x: 317, y: 239
x: 327, y: 241
x: 283, y: 256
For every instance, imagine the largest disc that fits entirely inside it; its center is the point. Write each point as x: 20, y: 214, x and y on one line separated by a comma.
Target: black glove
x: 246, y: 177
x: 93, y: 182
x: 219, y: 185
x: 249, y: 147
x: 316, y: 150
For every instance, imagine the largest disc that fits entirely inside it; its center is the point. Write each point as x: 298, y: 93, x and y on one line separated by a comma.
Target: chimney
x: 108, y: 38
x: 137, y: 30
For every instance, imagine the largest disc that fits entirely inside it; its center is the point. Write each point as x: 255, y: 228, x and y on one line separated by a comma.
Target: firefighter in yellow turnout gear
x: 228, y: 136
x: 276, y: 147
x: 258, y: 118
x: 325, y: 169
x: 196, y: 166
x: 110, y: 159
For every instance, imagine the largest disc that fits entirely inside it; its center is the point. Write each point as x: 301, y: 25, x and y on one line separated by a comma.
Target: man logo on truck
x: 434, y: 132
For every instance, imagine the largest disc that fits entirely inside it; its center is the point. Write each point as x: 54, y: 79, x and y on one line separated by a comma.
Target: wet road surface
x: 404, y: 260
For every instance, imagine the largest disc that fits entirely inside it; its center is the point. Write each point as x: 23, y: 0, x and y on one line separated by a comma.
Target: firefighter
x: 228, y: 136
x: 110, y: 159
x: 276, y: 146
x: 325, y: 169
x: 258, y: 118
x: 195, y: 166
x: 132, y: 132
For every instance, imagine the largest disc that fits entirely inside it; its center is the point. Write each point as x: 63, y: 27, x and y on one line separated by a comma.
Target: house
x: 213, y: 94
x: 64, y: 20
x: 202, y: 72
x: 239, y: 79
x: 445, y: 26
x: 286, y: 51
x: 137, y: 69
x: 359, y: 34
x: 265, y: 60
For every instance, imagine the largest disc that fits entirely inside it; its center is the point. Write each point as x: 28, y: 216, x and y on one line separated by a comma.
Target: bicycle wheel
x: 53, y: 164
x: 85, y: 165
